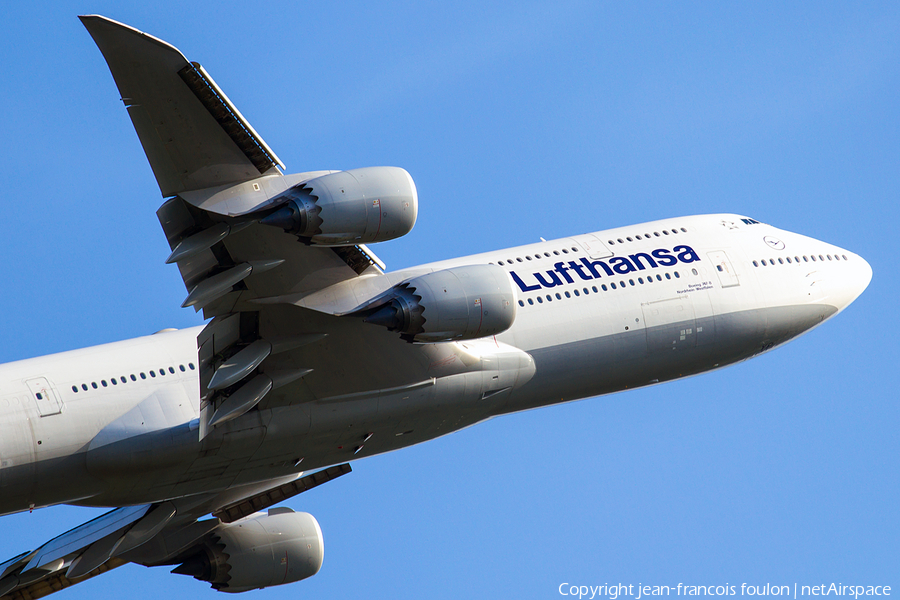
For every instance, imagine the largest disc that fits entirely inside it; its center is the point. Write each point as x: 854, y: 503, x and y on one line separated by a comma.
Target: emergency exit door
x: 724, y: 269
x: 45, y: 396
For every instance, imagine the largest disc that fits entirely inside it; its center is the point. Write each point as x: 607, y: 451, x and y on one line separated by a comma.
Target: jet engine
x: 460, y: 303
x: 262, y: 550
x: 359, y: 206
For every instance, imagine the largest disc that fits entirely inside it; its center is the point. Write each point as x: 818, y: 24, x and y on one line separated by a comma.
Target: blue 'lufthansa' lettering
x: 587, y: 269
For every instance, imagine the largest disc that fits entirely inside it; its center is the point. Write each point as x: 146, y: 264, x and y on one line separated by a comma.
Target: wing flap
x: 84, y: 535
x: 53, y: 583
x: 78, y: 554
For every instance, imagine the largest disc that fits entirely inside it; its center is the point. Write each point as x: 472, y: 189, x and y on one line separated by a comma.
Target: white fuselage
x: 116, y: 424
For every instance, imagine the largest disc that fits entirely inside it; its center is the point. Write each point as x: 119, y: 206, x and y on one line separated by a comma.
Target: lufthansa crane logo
x: 773, y: 243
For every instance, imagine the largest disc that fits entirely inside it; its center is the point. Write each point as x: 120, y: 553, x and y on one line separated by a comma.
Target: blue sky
x: 517, y: 121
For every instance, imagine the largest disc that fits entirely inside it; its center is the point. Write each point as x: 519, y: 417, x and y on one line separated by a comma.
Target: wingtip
x: 87, y: 18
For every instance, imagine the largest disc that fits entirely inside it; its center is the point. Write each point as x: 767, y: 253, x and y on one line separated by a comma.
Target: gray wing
x: 248, y: 277
x: 193, y: 135
x: 164, y: 533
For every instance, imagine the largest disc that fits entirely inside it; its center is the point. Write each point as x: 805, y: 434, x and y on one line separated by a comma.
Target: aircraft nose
x: 864, y: 276
x: 855, y: 282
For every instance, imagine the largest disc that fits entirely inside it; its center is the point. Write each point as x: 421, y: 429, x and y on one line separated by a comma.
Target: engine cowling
x: 259, y: 551
x: 358, y: 206
x: 460, y: 303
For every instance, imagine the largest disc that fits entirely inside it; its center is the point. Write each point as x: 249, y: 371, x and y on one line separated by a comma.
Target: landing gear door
x: 591, y: 244
x: 45, y: 396
x: 724, y: 269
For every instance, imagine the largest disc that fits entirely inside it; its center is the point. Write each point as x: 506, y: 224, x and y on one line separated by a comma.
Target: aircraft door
x: 724, y: 269
x: 591, y: 244
x: 45, y: 396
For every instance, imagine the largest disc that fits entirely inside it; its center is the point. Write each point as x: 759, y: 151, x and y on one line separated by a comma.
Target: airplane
x: 315, y: 355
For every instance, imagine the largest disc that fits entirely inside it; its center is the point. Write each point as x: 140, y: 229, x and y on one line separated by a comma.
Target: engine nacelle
x: 461, y: 303
x: 359, y: 206
x: 259, y: 551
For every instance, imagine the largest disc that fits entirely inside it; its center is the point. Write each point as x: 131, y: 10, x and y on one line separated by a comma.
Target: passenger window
x: 191, y: 366
x: 84, y: 386
x: 143, y: 376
